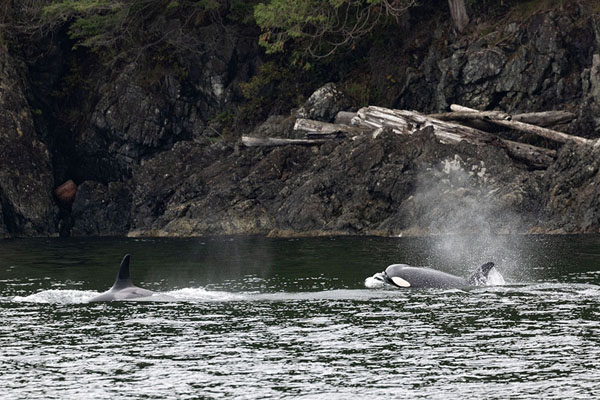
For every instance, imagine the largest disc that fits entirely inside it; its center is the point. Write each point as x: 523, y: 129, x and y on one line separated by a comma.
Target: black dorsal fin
x: 123, y: 279
x: 485, y: 268
x: 480, y: 275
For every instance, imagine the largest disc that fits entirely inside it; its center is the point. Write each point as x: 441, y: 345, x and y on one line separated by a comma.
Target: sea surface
x: 251, y: 317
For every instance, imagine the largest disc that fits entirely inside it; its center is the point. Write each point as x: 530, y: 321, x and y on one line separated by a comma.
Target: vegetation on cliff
x: 322, y: 26
x: 118, y: 29
x: 108, y: 86
x: 307, y: 43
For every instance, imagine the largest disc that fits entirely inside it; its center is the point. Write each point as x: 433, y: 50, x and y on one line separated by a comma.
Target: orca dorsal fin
x: 123, y: 279
x: 479, y: 277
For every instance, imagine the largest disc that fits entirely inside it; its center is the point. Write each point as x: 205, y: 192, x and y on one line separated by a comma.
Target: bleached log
x: 312, y: 126
x: 459, y: 15
x: 474, y: 119
x: 252, y: 141
x: 408, y: 122
x: 528, y: 128
x: 542, y: 118
x: 469, y: 115
x: 545, y: 118
x: 459, y: 108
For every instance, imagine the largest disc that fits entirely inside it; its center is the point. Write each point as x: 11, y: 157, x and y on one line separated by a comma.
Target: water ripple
x: 526, y: 341
x: 249, y: 319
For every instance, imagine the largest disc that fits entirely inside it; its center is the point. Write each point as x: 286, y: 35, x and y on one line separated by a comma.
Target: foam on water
x: 202, y: 295
x: 373, y: 282
x: 57, y: 296
x: 494, y: 278
x: 199, y: 295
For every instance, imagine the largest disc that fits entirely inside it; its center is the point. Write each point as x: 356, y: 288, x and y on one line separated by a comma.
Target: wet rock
x: 4, y: 233
x: 483, y: 65
x: 276, y: 126
x: 101, y: 210
x: 543, y: 63
x: 197, y: 189
x: 571, y: 201
x: 385, y: 185
x: 324, y: 104
x: 26, y: 180
x: 137, y: 115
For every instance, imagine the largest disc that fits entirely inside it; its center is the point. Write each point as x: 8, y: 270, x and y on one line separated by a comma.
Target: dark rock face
x: 542, y: 64
x: 196, y: 188
x: 176, y: 183
x: 276, y: 126
x: 389, y: 185
x: 136, y: 117
x: 26, y: 181
x: 145, y: 166
x: 571, y: 201
x: 101, y: 210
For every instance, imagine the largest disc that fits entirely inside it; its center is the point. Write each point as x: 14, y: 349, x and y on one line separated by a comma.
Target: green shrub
x: 128, y: 29
x: 320, y: 27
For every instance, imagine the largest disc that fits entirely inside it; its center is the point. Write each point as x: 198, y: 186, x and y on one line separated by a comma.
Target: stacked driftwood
x: 461, y: 124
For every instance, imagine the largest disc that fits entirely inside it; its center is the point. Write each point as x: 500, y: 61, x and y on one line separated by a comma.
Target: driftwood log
x: 252, y: 141
x: 408, y: 122
x: 318, y: 127
x: 545, y: 118
x: 469, y: 115
x: 445, y: 128
x: 524, y: 127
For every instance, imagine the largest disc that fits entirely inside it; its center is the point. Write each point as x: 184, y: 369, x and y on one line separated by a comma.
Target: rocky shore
x: 388, y: 185
x: 154, y: 160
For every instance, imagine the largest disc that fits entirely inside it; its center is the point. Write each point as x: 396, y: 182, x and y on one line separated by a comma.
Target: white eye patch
x: 400, y: 282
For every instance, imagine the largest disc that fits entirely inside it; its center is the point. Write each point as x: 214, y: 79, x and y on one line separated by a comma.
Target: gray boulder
x: 324, y: 104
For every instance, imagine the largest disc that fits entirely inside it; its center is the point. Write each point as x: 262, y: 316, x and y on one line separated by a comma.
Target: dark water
x: 265, y: 318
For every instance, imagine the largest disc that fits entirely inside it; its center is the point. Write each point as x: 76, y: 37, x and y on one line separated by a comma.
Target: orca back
x: 122, y: 289
x: 422, y: 277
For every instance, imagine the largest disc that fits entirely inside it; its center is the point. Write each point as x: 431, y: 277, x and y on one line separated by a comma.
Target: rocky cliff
x: 26, y: 180
x: 155, y: 154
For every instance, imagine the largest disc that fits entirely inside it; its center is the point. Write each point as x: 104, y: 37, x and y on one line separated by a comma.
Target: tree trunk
x: 458, y: 12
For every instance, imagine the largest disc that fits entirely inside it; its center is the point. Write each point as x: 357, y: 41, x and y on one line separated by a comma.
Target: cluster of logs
x: 461, y: 124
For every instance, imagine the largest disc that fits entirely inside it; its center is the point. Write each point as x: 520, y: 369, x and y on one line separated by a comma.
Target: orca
x: 123, y: 289
x: 406, y: 276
